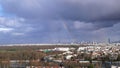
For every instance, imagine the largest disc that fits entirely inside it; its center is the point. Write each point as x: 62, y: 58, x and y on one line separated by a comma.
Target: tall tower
x: 109, y: 41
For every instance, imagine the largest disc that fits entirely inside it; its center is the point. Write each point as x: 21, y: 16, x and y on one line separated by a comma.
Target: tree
x: 91, y: 66
x: 118, y: 58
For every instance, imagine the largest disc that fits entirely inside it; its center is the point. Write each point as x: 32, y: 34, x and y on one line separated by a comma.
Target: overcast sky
x: 53, y: 21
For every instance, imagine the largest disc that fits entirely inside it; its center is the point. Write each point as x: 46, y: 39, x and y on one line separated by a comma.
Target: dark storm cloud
x: 99, y: 12
x: 83, y: 10
x: 59, y: 19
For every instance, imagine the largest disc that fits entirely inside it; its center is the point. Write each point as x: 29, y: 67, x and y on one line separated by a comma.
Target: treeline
x: 21, y: 55
x: 35, y: 58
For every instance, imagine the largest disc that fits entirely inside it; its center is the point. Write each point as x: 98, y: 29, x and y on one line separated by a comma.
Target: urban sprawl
x: 102, y: 55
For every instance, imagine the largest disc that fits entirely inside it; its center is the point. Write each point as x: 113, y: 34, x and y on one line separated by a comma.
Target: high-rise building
x: 109, y: 41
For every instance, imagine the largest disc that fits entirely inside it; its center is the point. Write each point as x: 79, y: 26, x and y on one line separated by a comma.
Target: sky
x: 54, y: 21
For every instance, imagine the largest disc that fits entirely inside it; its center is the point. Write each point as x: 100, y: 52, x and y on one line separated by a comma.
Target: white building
x: 67, y: 52
x: 61, y: 49
x: 68, y: 57
x: 81, y: 48
x: 115, y: 67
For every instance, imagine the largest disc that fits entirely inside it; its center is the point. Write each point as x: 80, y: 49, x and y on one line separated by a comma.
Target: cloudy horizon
x: 53, y: 21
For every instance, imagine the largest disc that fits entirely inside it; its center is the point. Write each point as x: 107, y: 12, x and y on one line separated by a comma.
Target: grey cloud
x: 49, y: 18
x: 94, y: 11
x: 68, y: 9
x: 12, y: 25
